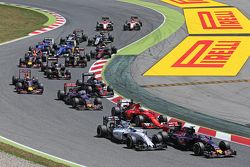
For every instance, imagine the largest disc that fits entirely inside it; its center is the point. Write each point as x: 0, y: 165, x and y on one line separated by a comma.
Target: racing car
x: 65, y: 48
x: 100, y: 39
x: 133, y: 24
x: 94, y: 87
x: 83, y: 101
x: 77, y: 59
x: 104, y: 25
x: 70, y: 91
x: 130, y: 111
x: 53, y: 70
x: 78, y: 36
x: 30, y: 61
x: 121, y: 131
x: 185, y: 138
x: 24, y: 84
x: 103, y: 52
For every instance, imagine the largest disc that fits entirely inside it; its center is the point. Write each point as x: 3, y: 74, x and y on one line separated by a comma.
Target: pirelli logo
x: 193, y: 3
x: 216, y: 21
x: 217, y: 56
x: 204, y: 56
x: 219, y: 20
x: 189, y: 1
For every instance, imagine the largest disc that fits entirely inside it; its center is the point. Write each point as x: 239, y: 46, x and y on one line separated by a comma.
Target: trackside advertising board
x: 204, y: 56
x: 216, y: 21
x: 194, y: 3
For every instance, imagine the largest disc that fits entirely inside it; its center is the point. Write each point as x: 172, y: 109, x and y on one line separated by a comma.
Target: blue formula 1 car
x: 185, y: 138
x: 66, y: 48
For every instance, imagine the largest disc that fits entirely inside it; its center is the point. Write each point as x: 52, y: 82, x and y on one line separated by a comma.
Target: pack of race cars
x: 128, y: 121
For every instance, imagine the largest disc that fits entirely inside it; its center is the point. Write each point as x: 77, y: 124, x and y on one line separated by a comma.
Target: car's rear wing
x: 49, y: 40
x: 25, y: 72
x: 105, y: 18
x: 110, y: 119
x: 69, y: 85
x: 87, y: 75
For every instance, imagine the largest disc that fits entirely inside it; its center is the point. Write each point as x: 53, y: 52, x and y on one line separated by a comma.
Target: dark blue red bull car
x: 185, y: 138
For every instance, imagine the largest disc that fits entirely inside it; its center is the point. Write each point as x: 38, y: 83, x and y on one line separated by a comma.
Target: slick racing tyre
x: 102, y: 131
x: 131, y: 142
x: 139, y: 119
x: 198, y: 149
x: 224, y: 145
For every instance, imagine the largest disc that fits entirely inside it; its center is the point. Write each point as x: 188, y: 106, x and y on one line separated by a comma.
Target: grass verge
x: 18, y: 22
x: 29, y: 156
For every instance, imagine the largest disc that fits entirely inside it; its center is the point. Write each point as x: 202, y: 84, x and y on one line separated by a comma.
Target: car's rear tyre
x: 19, y: 85
x: 88, y: 57
x: 102, y: 131
x: 98, y: 101
x: 40, y: 86
x: 164, y: 136
x: 224, y: 145
x: 60, y: 94
x: 14, y: 80
x: 131, y: 141
x: 157, y: 138
x: 198, y: 149
x: 75, y: 102
x: 78, y: 82
x: 139, y: 119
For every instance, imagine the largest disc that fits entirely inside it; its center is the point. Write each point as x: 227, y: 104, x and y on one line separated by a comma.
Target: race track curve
x: 48, y: 125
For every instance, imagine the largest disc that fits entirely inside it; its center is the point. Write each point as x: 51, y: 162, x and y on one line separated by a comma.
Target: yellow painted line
x: 216, y: 21
x: 197, y: 83
x: 204, y: 56
x: 194, y: 3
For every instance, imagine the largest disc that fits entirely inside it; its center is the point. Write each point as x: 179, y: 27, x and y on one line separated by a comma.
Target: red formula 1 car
x: 128, y: 110
x: 133, y: 24
x: 104, y: 25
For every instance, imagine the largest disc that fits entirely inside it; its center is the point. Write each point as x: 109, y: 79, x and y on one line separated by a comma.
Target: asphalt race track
x: 48, y: 125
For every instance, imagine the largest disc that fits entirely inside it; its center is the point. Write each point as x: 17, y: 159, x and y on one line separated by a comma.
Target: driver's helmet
x: 27, y: 78
x: 70, y: 90
x: 82, y: 92
x: 124, y: 107
x: 101, y: 33
x: 56, y: 65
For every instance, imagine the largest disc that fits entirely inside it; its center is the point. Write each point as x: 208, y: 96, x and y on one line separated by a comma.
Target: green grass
x: 18, y: 22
